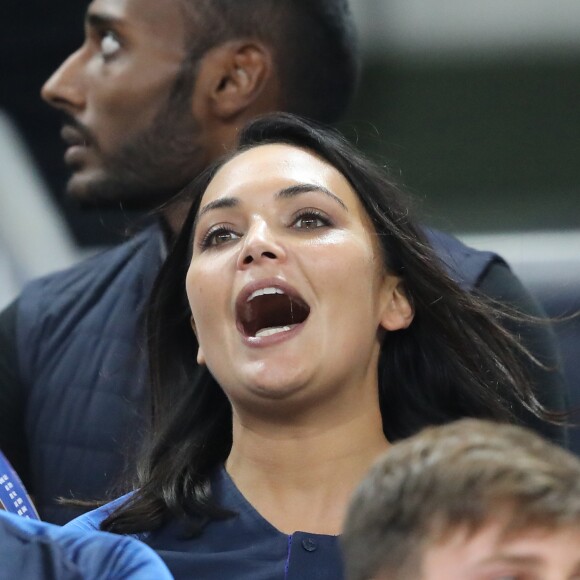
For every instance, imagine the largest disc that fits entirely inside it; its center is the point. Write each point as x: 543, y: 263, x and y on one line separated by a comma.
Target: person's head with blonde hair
x: 468, y: 500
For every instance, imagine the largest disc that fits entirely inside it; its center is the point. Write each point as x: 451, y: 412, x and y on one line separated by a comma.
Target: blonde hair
x: 456, y: 475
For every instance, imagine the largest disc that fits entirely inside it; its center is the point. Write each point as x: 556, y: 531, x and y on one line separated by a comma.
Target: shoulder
x: 111, y: 286
x: 466, y: 265
x: 101, y: 267
x: 44, y: 550
x: 481, y: 270
x: 500, y: 283
x: 92, y: 520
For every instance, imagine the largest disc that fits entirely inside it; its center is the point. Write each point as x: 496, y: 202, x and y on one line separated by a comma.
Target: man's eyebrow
x: 99, y: 21
x: 295, y: 190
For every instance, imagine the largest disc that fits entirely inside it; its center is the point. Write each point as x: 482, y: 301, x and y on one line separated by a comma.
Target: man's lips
x: 73, y: 136
x: 77, y: 142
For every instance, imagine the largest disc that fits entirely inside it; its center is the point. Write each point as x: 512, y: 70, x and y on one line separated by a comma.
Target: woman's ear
x: 397, y: 311
x: 200, y: 355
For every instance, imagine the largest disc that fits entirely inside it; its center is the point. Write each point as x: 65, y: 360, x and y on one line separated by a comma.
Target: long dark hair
x: 455, y: 359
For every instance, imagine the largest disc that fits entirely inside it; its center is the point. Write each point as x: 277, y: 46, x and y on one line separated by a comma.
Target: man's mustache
x: 73, y: 131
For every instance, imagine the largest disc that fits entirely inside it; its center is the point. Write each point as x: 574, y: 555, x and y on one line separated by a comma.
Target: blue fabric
x: 82, y: 358
x: 13, y: 495
x: 36, y: 550
x: 465, y: 265
x: 244, y: 547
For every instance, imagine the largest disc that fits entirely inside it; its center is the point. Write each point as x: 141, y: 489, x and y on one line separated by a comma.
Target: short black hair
x: 314, y: 42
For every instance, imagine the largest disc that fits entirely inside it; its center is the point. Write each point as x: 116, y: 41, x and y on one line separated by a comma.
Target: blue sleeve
x: 99, y: 555
x: 91, y: 521
x: 34, y: 549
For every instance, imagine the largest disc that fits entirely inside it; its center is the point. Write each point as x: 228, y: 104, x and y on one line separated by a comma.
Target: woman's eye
x: 310, y: 221
x: 109, y: 44
x: 218, y: 237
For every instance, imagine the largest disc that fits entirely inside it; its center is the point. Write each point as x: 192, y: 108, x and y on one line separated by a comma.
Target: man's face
x: 127, y: 98
x: 488, y: 554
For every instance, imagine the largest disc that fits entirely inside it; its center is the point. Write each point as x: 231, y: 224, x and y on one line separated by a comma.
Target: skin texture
x: 534, y: 554
x: 143, y: 115
x: 129, y: 120
x: 306, y: 419
x: 266, y: 237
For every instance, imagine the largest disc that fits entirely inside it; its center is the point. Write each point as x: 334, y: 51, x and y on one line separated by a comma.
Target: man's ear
x: 234, y: 78
x: 397, y: 311
x: 200, y: 355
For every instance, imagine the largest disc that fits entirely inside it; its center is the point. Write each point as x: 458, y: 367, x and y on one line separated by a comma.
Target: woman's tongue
x: 271, y: 314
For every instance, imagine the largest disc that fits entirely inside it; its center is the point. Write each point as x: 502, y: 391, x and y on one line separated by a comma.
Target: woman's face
x: 287, y: 288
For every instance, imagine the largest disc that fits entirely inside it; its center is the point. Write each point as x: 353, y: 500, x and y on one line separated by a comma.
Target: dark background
x: 486, y: 144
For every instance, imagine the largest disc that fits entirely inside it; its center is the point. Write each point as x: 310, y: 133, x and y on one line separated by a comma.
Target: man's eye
x: 310, y: 221
x: 109, y: 44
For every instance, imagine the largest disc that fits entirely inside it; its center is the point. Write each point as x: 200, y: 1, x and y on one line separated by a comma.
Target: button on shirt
x: 243, y: 547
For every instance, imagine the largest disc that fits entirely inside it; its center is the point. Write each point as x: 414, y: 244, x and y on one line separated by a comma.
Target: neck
x: 301, y: 478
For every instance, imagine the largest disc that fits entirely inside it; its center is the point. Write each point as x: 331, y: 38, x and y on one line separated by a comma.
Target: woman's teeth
x: 272, y: 330
x: 264, y: 291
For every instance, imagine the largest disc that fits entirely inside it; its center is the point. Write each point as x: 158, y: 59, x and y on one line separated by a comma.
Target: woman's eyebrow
x: 286, y: 192
x: 294, y: 190
x: 532, y: 561
x: 222, y: 202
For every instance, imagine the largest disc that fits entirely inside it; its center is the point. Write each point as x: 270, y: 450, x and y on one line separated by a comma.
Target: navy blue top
x: 245, y: 546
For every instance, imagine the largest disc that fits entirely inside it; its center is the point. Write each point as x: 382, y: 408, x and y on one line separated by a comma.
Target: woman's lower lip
x: 273, y: 339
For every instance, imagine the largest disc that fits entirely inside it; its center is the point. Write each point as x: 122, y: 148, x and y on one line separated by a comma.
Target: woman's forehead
x: 273, y: 166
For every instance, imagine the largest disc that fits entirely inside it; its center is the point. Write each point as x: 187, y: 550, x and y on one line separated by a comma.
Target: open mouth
x: 269, y: 311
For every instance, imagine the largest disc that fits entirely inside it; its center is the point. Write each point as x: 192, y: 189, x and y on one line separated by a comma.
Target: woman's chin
x: 277, y: 388
x: 275, y: 393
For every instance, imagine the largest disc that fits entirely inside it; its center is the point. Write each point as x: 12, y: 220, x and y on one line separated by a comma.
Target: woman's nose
x: 260, y: 244
x: 65, y: 87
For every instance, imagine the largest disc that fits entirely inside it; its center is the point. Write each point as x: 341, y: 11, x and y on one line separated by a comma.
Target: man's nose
x: 260, y: 243
x: 65, y: 88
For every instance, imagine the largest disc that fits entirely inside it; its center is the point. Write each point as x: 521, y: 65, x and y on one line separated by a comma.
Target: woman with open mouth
x: 300, y: 325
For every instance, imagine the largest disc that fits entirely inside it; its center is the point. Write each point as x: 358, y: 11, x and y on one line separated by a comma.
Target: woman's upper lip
x: 72, y: 136
x: 250, y: 290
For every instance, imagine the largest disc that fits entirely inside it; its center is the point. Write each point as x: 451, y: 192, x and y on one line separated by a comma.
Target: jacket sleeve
x: 499, y: 283
x: 33, y: 549
x: 102, y: 555
x: 12, y: 397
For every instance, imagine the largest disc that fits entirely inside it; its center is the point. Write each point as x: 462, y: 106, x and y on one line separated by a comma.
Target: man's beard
x: 153, y: 165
